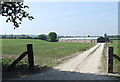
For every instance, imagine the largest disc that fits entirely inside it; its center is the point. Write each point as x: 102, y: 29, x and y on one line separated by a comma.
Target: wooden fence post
x: 30, y: 56
x: 110, y: 60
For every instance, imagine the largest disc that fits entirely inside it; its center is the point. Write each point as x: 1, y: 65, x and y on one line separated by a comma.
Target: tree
x: 88, y: 35
x: 52, y: 36
x: 14, y: 11
x: 101, y: 39
x: 42, y: 36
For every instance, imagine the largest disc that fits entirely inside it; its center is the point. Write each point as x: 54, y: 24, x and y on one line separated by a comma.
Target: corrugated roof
x: 79, y: 38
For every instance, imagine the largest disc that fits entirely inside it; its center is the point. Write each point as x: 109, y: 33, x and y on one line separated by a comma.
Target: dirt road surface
x: 82, y: 67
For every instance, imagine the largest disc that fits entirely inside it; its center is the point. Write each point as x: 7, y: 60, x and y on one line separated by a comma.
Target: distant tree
x: 101, y: 39
x: 11, y: 36
x: 35, y: 37
x: 3, y: 36
x: 28, y: 37
x: 42, y: 36
x: 14, y: 11
x: 113, y: 36
x: 88, y: 35
x: 52, y: 37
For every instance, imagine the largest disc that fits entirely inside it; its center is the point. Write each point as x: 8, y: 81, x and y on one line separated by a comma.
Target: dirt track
x: 82, y: 67
x: 85, y: 62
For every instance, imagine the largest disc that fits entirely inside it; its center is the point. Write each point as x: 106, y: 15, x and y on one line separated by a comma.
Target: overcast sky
x: 68, y: 18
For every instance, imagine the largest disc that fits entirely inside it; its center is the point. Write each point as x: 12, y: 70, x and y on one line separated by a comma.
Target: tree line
x: 113, y: 36
x: 52, y: 37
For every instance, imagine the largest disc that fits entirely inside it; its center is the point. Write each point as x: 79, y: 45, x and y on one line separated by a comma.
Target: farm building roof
x: 80, y: 38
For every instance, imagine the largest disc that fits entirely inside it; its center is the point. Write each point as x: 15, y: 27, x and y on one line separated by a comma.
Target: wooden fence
x: 110, y: 59
x: 30, y: 58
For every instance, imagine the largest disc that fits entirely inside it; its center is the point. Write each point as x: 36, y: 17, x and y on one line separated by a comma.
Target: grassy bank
x: 103, y: 67
x: 45, y: 53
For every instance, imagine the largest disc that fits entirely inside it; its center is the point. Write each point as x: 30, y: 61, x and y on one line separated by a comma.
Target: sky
x: 67, y: 18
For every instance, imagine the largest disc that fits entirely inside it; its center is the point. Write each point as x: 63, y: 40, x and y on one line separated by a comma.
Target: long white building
x: 80, y: 39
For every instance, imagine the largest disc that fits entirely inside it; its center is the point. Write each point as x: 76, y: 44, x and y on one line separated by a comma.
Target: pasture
x: 45, y: 53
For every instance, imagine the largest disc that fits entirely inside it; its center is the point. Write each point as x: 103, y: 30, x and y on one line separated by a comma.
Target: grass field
x: 116, y: 63
x: 45, y: 53
x: 116, y: 47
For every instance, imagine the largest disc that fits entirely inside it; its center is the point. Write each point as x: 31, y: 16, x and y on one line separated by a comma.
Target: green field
x: 45, y: 53
x: 116, y: 47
